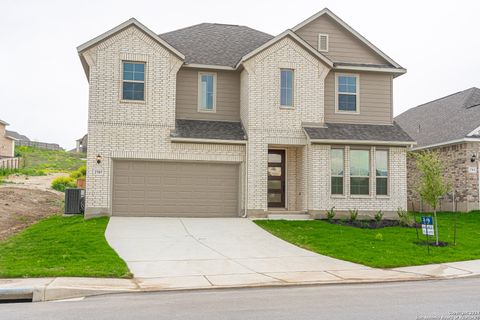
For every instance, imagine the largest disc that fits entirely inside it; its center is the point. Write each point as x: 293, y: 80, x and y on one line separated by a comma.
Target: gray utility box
x: 74, y: 201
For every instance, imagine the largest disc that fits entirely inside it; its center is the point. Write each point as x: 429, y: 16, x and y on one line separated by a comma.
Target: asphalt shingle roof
x: 449, y: 118
x: 16, y: 135
x: 359, y: 132
x: 215, y: 44
x: 202, y: 129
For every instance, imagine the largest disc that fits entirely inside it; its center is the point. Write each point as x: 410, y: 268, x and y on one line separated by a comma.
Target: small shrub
x: 353, y: 214
x: 331, y: 214
x: 32, y: 172
x: 80, y: 173
x: 379, y: 237
x: 6, y: 172
x: 378, y: 216
x: 404, y: 218
x: 62, y: 183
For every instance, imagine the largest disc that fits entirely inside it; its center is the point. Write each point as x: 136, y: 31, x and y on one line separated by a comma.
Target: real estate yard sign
x: 427, y: 229
x: 427, y: 226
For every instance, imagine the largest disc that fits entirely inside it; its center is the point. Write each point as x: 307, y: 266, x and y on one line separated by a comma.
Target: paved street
x: 407, y: 300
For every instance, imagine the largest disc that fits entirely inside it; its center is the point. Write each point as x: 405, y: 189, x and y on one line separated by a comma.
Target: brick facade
x: 456, y: 162
x: 141, y: 130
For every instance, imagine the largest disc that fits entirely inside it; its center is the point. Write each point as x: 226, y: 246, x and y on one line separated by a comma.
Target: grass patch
x: 61, y: 246
x: 382, y: 248
x: 37, y: 161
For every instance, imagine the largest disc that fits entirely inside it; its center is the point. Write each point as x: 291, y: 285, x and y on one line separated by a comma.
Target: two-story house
x: 223, y: 120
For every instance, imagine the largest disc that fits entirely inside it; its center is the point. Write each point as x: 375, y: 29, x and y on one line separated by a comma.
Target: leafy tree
x: 432, y: 184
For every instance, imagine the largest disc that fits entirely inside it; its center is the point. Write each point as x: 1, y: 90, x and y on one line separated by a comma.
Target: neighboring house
x: 224, y: 120
x: 17, y: 136
x: 450, y: 126
x: 7, y: 142
x: 82, y: 144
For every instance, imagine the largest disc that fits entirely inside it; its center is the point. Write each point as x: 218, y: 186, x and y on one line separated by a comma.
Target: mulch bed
x: 371, y: 224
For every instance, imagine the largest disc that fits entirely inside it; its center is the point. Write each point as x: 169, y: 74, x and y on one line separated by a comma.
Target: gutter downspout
x: 245, y: 181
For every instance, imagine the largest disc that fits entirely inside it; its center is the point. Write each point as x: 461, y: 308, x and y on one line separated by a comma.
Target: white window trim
x: 127, y: 101
x: 370, y: 191
x: 199, y: 90
x: 336, y: 176
x: 318, y: 44
x: 383, y: 177
x: 293, y: 89
x: 357, y: 92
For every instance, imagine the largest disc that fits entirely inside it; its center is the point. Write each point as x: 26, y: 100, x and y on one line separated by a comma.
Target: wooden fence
x: 41, y: 145
x: 9, y: 163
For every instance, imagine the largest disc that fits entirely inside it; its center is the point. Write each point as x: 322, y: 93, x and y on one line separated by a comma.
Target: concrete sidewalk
x: 47, y: 289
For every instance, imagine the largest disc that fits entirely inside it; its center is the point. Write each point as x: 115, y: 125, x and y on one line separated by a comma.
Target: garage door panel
x: 189, y: 189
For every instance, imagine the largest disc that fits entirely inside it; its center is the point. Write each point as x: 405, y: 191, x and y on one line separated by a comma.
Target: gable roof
x: 119, y: 28
x: 287, y: 33
x: 327, y: 11
x: 452, y: 118
x: 214, y: 43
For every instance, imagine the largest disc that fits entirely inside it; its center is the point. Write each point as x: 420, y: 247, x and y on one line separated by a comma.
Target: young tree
x: 432, y: 183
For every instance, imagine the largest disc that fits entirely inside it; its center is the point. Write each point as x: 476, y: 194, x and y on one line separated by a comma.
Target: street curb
x: 7, y: 294
x: 43, y: 293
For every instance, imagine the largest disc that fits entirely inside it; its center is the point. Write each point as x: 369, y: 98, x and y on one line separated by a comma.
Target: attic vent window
x: 323, y: 42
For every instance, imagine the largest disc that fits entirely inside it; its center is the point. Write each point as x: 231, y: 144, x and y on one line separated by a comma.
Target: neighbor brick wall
x: 135, y: 130
x: 456, y: 161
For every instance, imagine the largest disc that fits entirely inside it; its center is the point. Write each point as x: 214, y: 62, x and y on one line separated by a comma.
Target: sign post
x: 427, y: 229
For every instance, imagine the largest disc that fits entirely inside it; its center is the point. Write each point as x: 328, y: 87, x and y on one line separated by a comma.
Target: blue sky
x: 44, y: 92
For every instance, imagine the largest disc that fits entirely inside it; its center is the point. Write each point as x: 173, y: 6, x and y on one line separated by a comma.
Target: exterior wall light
x: 473, y: 158
x: 99, y: 159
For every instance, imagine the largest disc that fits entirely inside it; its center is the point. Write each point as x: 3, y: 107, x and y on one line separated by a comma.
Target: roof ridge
x: 434, y: 100
x: 184, y: 28
x: 467, y: 104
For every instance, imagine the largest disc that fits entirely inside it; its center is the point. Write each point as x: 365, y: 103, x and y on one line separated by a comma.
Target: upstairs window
x: 347, y: 93
x: 381, y: 172
x: 286, y: 87
x: 359, y: 172
x: 133, y: 81
x: 336, y: 169
x: 207, y: 83
x: 323, y: 42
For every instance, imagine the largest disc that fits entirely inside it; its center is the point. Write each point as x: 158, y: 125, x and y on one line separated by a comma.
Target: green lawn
x: 397, y: 249
x: 61, y: 246
x: 38, y: 162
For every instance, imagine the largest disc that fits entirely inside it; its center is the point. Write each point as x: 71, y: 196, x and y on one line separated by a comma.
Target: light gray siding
x: 375, y: 99
x: 228, y: 96
x: 343, y: 46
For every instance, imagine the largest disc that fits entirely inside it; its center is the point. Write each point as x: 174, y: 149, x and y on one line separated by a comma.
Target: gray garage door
x: 175, y: 189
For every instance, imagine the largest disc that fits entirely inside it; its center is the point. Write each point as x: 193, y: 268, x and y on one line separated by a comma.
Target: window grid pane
x: 382, y: 186
x: 286, y: 88
x: 336, y: 170
x: 347, y: 93
x: 133, y: 81
x: 359, y: 186
x: 360, y: 172
x: 207, y: 91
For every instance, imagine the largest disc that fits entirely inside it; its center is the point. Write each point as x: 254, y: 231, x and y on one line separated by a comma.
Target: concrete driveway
x: 218, y: 252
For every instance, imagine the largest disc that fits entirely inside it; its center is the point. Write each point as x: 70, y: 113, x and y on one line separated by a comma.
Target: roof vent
x: 323, y: 42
